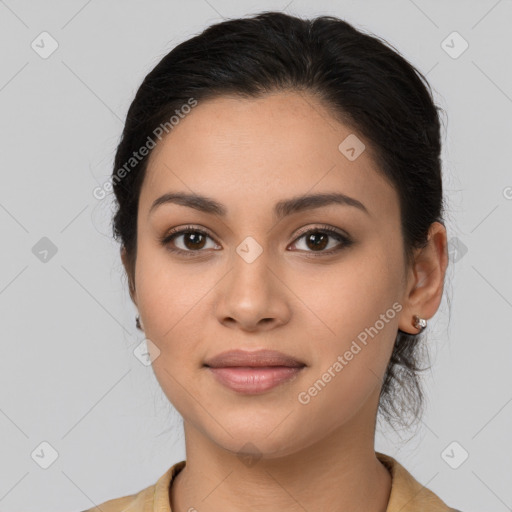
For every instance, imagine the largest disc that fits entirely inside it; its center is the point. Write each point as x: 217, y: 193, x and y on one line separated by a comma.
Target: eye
x: 193, y: 238
x: 318, y: 239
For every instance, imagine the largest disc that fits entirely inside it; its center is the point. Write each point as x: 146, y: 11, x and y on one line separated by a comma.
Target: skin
x: 248, y: 155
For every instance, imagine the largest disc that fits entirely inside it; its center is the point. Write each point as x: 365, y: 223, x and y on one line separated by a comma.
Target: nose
x: 253, y: 296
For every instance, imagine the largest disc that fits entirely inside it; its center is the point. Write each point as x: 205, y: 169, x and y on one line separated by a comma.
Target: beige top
x: 407, y: 494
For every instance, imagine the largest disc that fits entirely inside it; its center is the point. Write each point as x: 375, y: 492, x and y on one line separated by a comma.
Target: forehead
x: 257, y: 151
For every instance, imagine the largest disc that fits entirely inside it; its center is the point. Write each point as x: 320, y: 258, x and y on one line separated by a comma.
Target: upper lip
x: 254, y: 358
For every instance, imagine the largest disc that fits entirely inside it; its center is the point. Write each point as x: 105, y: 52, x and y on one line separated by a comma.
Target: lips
x: 255, y: 359
x: 255, y: 372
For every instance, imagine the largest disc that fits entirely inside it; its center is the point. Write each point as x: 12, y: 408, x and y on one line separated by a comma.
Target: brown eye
x: 193, y: 240
x: 317, y: 239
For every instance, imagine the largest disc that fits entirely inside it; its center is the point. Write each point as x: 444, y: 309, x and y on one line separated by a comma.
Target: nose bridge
x: 251, y: 292
x: 250, y: 250
x: 250, y: 265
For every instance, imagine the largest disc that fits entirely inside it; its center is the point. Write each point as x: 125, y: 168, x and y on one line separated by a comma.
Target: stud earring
x: 419, y: 323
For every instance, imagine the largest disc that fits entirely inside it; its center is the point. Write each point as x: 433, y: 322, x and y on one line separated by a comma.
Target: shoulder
x: 134, y: 502
x: 407, y: 494
x: 153, y: 497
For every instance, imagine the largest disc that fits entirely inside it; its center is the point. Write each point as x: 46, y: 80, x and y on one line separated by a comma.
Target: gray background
x: 68, y: 374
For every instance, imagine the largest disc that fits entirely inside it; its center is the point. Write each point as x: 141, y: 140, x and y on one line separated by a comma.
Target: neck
x: 340, y: 472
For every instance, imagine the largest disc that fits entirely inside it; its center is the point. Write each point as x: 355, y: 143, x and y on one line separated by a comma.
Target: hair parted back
x: 362, y: 80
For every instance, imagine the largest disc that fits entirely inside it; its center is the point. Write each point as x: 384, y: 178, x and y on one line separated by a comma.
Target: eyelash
x: 169, y: 237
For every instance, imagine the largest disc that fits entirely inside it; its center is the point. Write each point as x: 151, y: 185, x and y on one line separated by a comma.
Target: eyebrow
x: 281, y: 209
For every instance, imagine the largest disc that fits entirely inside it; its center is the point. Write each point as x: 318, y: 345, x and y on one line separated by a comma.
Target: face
x: 253, y: 279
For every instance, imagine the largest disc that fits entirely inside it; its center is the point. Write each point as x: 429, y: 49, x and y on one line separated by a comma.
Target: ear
x: 129, y: 272
x: 425, y: 281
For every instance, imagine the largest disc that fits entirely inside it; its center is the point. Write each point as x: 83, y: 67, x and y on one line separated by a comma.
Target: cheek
x: 346, y: 301
x: 355, y: 316
x: 170, y: 300
x: 351, y: 357
x: 167, y: 292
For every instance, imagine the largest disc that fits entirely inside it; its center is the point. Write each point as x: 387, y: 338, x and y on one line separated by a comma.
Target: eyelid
x: 320, y: 227
x: 180, y: 230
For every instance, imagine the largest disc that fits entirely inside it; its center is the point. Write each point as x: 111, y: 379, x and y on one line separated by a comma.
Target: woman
x: 279, y: 197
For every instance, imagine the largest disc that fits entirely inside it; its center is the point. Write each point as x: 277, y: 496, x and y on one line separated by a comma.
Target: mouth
x: 254, y: 372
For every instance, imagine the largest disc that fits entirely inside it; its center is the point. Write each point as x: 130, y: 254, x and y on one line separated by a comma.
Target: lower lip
x: 252, y: 380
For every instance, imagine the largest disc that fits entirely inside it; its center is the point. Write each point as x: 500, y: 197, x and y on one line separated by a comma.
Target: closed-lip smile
x: 254, y: 372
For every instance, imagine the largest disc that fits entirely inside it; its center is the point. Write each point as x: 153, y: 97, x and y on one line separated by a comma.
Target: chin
x: 265, y: 440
